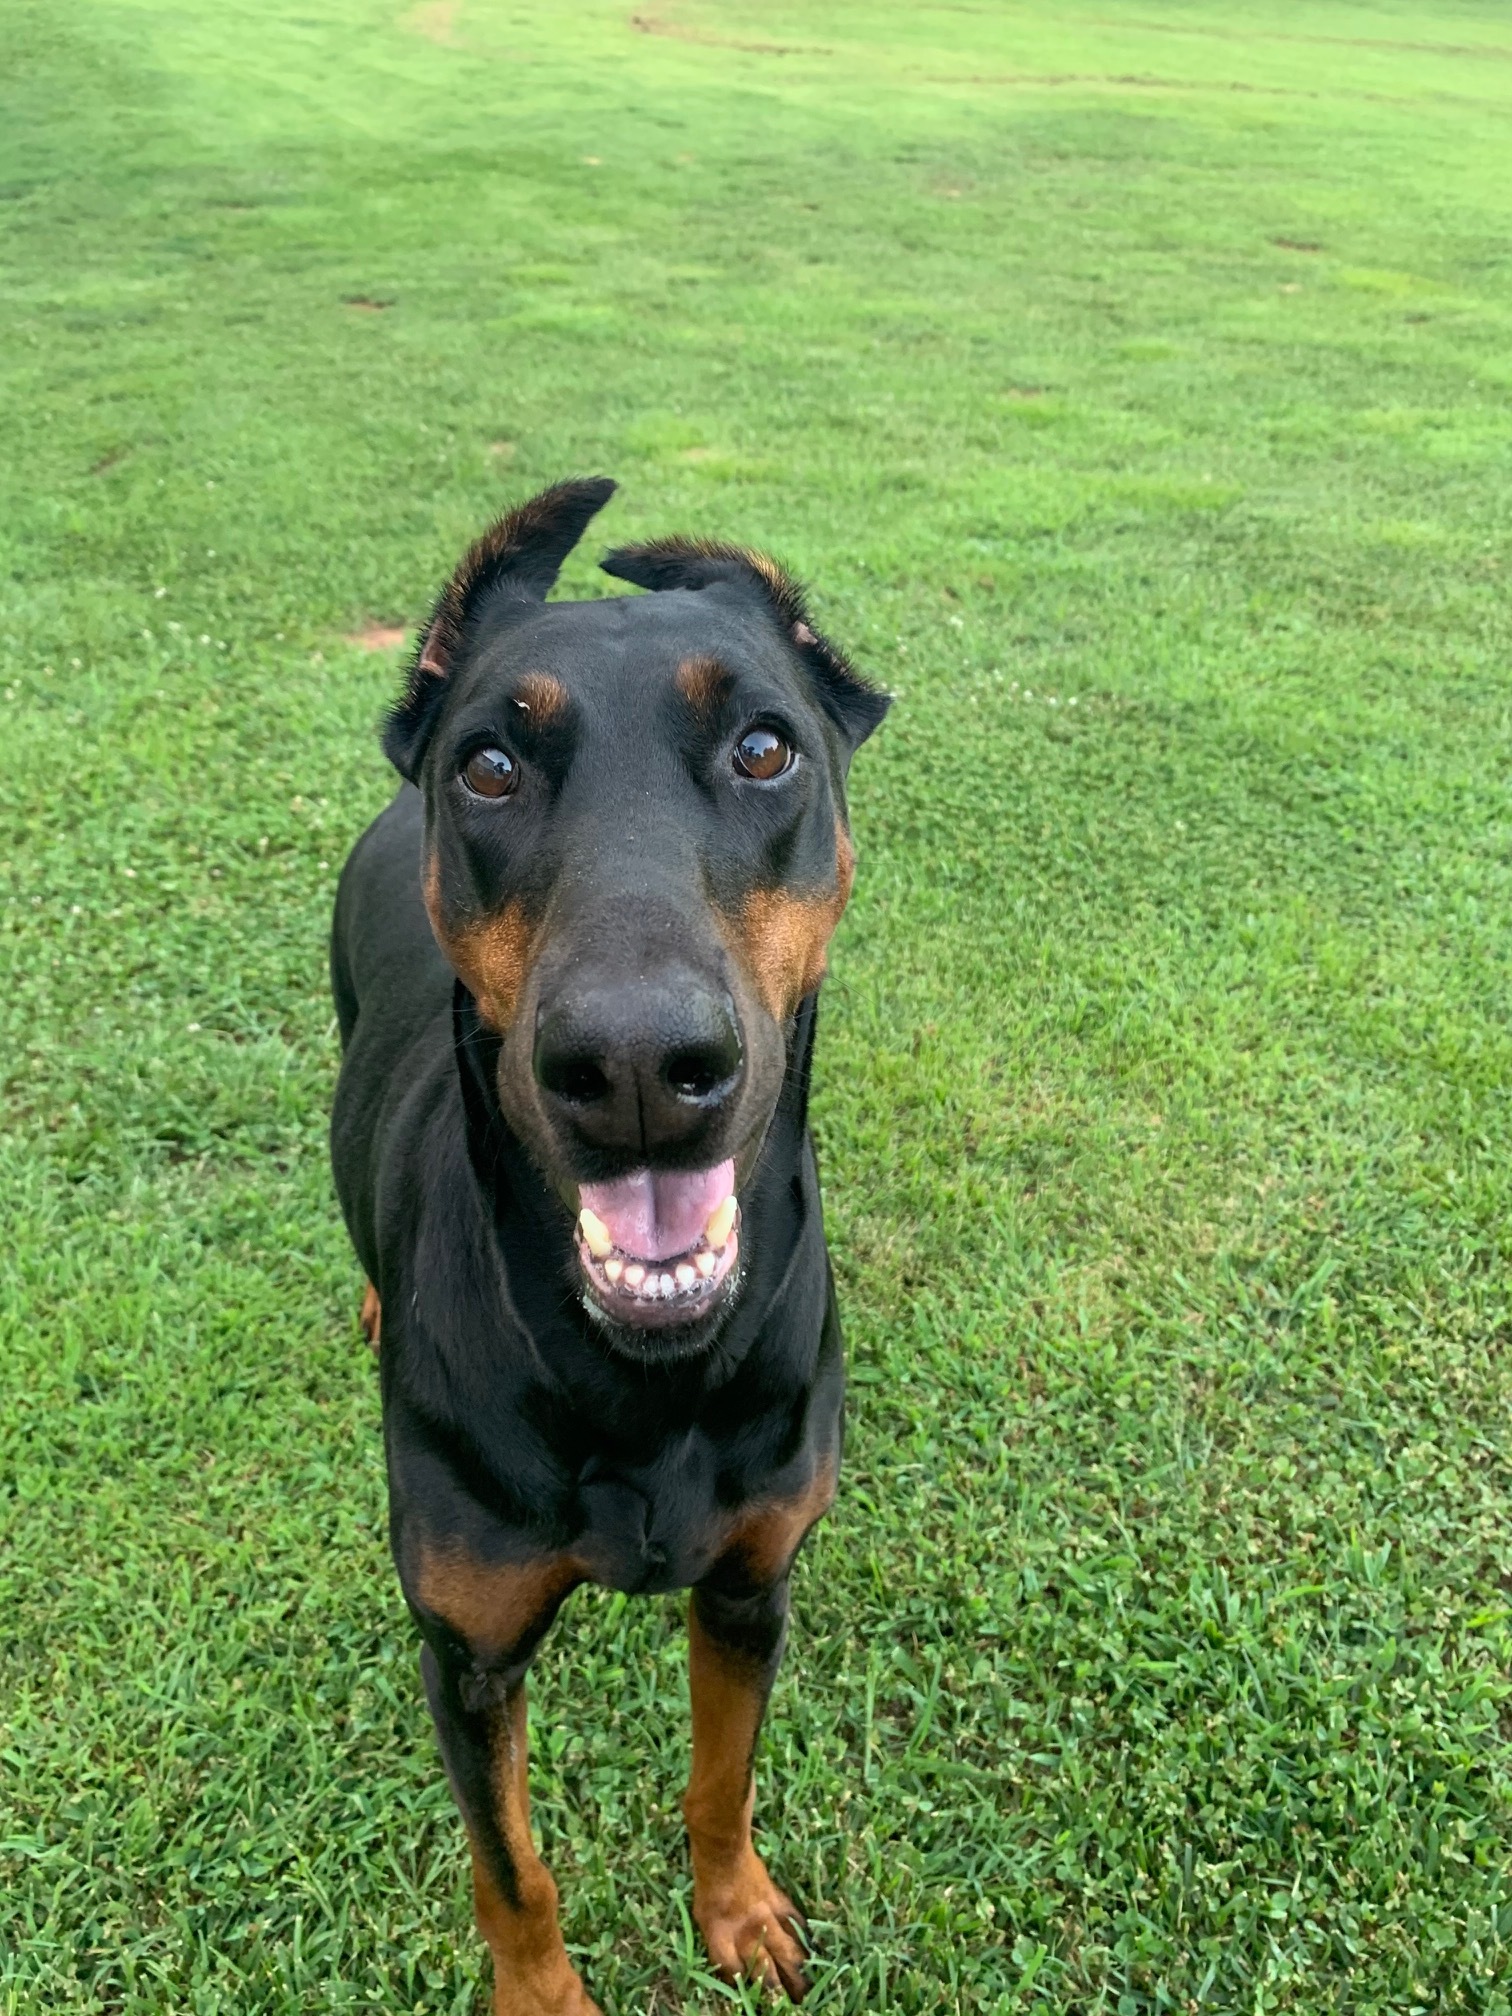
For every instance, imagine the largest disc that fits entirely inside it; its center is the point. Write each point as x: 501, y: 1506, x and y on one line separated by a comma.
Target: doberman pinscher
x: 576, y: 964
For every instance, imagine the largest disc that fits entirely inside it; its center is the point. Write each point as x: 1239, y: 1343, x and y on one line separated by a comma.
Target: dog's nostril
x: 577, y: 1079
x: 693, y: 1074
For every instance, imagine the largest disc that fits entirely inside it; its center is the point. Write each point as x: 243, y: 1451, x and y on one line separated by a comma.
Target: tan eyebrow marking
x: 701, y: 680
x: 540, y: 696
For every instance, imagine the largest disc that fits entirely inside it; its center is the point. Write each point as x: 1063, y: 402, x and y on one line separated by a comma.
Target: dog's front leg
x: 735, y: 1638
x: 479, y: 1712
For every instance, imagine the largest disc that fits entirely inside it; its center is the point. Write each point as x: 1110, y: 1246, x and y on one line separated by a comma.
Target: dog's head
x: 636, y: 852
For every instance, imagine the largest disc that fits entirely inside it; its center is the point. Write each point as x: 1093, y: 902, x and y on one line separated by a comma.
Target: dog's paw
x: 752, y: 1929
x: 563, y: 1995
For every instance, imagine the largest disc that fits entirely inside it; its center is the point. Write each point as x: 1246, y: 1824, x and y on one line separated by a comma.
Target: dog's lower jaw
x: 670, y: 1343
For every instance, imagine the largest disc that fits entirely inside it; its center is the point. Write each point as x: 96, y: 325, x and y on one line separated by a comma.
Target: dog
x: 575, y: 965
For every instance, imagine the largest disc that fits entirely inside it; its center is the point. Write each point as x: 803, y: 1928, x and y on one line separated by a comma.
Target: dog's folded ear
x: 519, y: 558
x: 854, y: 705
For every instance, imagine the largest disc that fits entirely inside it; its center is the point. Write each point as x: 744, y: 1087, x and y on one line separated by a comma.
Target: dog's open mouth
x: 656, y: 1246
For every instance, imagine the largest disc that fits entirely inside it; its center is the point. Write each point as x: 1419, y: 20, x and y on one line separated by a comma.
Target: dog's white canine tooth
x: 705, y: 1263
x: 685, y: 1275
x: 634, y: 1275
x: 721, y: 1222
x: 613, y: 1270
x: 595, y: 1234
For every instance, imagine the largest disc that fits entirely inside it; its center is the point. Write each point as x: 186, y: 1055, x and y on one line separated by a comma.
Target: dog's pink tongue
x: 655, y: 1214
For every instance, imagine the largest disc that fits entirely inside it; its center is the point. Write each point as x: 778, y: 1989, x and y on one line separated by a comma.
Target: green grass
x: 1133, y: 384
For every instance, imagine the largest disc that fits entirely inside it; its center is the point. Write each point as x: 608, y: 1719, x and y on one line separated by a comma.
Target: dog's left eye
x: 763, y: 754
x: 490, y: 773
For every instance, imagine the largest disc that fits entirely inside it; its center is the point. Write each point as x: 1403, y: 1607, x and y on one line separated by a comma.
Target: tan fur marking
x: 782, y: 940
x: 769, y: 571
x: 370, y: 1316
x: 492, y: 1605
x: 543, y: 698
x: 768, y: 1535
x: 746, y: 1921
x: 748, y: 1925
x: 493, y: 954
x: 701, y: 680
x: 531, y: 1968
x: 845, y: 863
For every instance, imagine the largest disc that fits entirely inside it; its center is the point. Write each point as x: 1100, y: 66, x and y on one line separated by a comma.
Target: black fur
x: 517, y: 1427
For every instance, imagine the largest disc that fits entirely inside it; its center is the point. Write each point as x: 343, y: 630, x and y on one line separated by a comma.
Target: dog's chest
x: 651, y: 1526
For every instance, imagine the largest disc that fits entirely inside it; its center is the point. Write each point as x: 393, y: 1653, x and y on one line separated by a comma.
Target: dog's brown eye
x: 490, y: 773
x: 761, y: 753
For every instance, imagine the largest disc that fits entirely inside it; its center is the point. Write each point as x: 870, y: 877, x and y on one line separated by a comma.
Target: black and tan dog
x: 575, y: 965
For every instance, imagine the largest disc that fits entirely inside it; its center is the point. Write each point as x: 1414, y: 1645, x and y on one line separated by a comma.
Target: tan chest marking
x: 766, y: 1536
x: 492, y: 1606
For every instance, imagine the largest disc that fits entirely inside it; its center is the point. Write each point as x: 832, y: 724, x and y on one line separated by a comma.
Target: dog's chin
x: 667, y: 1335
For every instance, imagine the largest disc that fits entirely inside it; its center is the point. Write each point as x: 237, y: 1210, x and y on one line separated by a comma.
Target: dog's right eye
x: 763, y: 754
x: 490, y: 773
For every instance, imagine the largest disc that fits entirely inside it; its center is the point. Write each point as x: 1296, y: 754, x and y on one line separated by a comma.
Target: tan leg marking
x: 747, y: 1923
x: 370, y: 1316
x: 532, y: 1974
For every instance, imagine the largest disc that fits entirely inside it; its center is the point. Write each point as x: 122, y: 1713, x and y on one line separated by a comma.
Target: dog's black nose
x: 639, y: 1065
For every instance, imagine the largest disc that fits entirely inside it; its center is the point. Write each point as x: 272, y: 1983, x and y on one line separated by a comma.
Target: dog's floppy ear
x: 519, y: 557
x: 855, y: 706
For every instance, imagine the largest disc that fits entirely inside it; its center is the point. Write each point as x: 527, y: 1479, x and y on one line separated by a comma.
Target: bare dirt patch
x: 1055, y: 80
x: 1297, y: 244
x: 377, y: 636
x: 1495, y: 51
x: 677, y: 31
x: 365, y: 304
x: 436, y: 20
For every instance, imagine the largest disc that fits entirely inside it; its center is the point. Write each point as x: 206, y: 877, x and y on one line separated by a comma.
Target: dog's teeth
x: 613, y: 1270
x: 685, y: 1275
x: 634, y: 1274
x: 595, y: 1234
x: 705, y: 1263
x: 721, y: 1222
x: 668, y: 1285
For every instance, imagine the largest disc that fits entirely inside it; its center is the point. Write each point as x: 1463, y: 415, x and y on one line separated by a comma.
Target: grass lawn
x: 1133, y: 383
